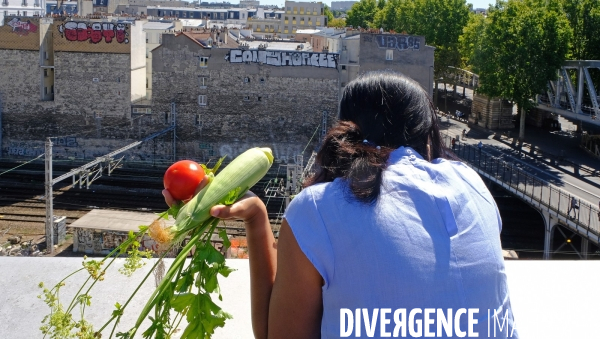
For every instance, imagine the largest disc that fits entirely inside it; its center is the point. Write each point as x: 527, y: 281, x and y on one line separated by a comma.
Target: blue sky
x: 476, y: 3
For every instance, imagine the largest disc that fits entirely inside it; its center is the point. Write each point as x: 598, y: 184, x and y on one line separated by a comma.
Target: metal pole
x: 174, y: 122
x: 49, y: 212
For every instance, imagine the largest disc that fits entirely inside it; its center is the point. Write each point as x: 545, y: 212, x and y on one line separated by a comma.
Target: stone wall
x: 410, y: 56
x: 96, y: 84
x: 241, y: 105
x: 491, y: 113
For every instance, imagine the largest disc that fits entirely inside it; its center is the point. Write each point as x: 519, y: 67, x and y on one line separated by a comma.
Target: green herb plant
x: 187, y: 286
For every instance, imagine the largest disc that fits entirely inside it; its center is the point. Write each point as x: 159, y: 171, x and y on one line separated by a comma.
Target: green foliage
x: 362, y: 14
x: 471, y: 40
x: 338, y: 22
x: 522, y: 46
x: 584, y: 18
x: 328, y: 13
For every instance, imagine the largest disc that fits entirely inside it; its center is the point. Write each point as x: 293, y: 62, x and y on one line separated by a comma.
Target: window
x: 118, y: 79
x: 46, y: 55
x: 202, y: 81
x: 203, y: 61
x: 198, y: 120
x: 24, y: 3
x: 343, y: 67
x: 389, y: 54
x: 246, y: 98
x: 98, y: 115
x: 259, y: 99
x: 167, y: 117
x: 25, y: 12
x: 202, y: 100
x: 262, y: 79
x: 45, y: 72
x: 52, y: 89
x: 246, y: 80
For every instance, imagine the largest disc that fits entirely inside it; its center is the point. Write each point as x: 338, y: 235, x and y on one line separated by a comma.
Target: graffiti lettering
x: 22, y: 27
x: 94, y: 32
x: 279, y: 58
x: 111, y: 240
x: 24, y: 151
x: 400, y: 42
x: 67, y: 141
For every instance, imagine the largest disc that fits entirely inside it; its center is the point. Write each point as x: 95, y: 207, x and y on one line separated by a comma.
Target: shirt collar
x: 403, y: 152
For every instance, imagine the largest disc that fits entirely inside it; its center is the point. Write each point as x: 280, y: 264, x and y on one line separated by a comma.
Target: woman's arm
x: 285, y: 286
x: 262, y: 253
x: 296, y: 307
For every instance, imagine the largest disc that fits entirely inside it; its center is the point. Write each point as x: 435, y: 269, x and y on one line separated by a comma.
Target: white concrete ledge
x: 550, y: 299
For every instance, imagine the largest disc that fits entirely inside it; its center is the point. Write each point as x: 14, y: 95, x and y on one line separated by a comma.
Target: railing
x: 585, y: 219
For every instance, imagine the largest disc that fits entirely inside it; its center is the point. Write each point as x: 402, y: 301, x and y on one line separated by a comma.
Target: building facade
x: 75, y: 78
x: 25, y: 8
x: 406, y: 54
x: 230, y: 99
x: 342, y: 5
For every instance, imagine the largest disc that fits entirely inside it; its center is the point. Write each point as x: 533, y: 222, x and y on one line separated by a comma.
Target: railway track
x: 22, y: 201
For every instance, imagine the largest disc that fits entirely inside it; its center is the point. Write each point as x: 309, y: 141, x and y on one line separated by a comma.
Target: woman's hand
x: 248, y: 208
x: 169, y: 198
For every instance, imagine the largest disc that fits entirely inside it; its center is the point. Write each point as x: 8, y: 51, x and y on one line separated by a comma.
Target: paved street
x: 544, y: 163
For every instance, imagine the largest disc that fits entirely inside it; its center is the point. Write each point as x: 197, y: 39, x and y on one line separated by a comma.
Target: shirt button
x: 408, y: 151
x: 412, y: 157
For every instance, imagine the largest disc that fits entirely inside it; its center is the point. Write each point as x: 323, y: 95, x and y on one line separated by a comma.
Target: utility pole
x: 174, y: 123
x: 49, y: 209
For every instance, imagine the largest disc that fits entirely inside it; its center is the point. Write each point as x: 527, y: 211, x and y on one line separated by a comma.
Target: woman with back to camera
x: 386, y: 224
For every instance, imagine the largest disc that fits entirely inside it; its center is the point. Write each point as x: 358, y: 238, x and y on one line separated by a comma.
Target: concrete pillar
x: 548, y: 234
x: 585, y: 245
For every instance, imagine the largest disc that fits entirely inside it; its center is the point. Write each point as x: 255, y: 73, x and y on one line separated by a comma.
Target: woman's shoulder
x: 318, y: 192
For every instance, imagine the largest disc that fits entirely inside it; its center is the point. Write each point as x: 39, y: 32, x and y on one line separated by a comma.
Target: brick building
x: 231, y: 98
x: 85, y: 82
x: 363, y: 52
x: 75, y: 78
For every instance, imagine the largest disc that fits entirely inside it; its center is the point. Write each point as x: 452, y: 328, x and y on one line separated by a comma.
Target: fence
x: 541, y: 193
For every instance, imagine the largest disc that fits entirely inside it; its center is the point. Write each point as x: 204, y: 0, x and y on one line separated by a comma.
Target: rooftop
x: 550, y: 299
x: 158, y: 25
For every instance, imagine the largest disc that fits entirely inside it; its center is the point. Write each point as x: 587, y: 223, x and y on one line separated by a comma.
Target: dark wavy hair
x: 387, y: 110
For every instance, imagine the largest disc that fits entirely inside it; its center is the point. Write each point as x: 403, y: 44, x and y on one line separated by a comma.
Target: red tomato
x: 182, y: 178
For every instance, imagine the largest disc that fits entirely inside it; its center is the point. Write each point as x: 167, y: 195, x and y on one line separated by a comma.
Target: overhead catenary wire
x: 23, y: 164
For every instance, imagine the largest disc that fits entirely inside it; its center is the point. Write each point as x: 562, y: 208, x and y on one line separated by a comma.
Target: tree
x: 441, y: 22
x: 523, y: 43
x: 328, y: 14
x: 584, y: 18
x: 471, y: 39
x: 362, y: 14
x: 338, y: 22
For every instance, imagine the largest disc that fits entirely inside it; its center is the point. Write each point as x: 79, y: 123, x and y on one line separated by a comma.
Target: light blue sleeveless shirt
x: 430, y: 241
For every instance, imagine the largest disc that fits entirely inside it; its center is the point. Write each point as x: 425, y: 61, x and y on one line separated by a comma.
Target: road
x: 585, y: 187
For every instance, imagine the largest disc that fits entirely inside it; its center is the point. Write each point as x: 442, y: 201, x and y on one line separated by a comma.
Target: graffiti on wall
x: 280, y: 58
x: 66, y: 141
x: 399, y: 42
x: 94, y: 32
x: 27, y: 151
x: 103, y: 242
x: 21, y: 27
